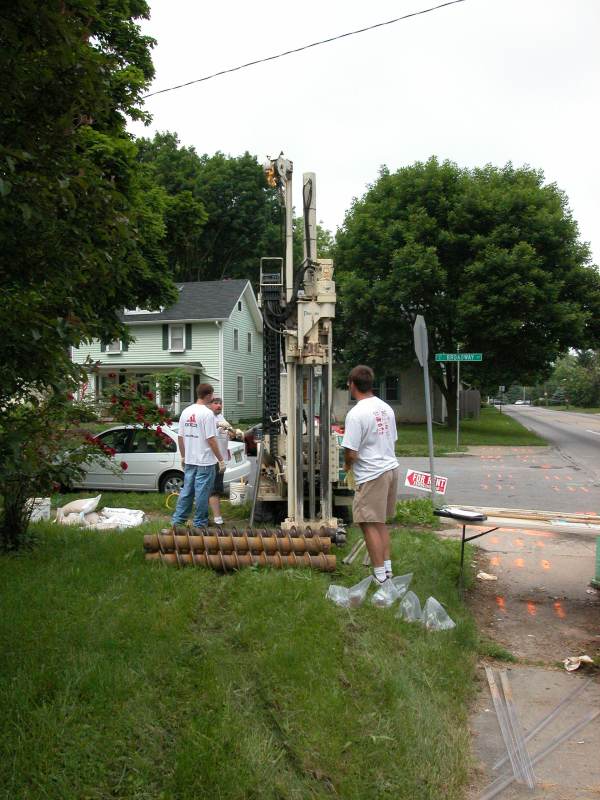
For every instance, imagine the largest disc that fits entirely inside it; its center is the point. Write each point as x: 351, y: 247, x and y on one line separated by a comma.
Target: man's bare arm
x: 181, y: 444
x: 212, y: 443
x: 350, y: 456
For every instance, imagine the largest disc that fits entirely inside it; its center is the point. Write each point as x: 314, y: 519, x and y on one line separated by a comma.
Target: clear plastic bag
x: 410, y: 608
x: 402, y: 582
x: 349, y: 597
x: 386, y: 595
x: 435, y: 617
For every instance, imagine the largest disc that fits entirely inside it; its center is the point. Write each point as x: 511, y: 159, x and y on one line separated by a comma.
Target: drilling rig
x: 298, y: 481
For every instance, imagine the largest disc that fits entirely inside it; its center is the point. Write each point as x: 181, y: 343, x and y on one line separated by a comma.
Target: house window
x: 239, y: 305
x: 240, y: 388
x: 259, y: 385
x: 185, y: 391
x: 177, y: 338
x: 388, y: 389
x: 236, y: 339
x: 114, y: 346
x: 249, y: 342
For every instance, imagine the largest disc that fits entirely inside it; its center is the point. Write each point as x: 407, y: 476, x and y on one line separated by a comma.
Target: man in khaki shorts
x: 370, y: 434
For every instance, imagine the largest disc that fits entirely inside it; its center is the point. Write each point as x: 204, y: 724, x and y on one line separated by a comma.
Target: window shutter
x: 165, y: 335
x: 188, y: 336
x: 102, y: 346
x: 124, y: 345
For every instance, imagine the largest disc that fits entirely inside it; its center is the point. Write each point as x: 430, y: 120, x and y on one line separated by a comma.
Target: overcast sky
x: 484, y: 81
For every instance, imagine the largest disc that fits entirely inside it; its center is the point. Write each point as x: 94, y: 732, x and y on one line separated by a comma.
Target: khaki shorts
x: 375, y: 501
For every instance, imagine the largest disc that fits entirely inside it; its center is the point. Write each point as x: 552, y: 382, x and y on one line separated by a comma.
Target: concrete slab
x: 572, y: 772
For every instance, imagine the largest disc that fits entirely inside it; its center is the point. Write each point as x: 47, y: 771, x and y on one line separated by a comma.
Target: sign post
x: 458, y: 357
x: 422, y: 351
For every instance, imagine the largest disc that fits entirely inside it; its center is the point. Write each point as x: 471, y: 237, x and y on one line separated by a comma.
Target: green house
x: 213, y: 332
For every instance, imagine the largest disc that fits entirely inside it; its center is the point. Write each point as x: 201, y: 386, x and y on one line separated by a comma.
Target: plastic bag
x: 402, y: 582
x: 387, y: 594
x: 349, y: 597
x: 410, y: 608
x: 435, y: 617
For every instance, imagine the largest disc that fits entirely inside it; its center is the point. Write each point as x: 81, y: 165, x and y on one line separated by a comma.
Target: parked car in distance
x: 151, y: 463
x: 522, y: 402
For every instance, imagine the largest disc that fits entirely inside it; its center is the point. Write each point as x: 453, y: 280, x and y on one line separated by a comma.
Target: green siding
x: 249, y: 365
x: 148, y: 350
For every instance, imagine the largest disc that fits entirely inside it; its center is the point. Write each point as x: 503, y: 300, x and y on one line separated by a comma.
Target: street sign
x: 420, y: 336
x: 422, y: 481
x: 502, y: 389
x: 459, y: 356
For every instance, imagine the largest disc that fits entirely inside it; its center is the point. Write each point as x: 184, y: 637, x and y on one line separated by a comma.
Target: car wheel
x: 171, y: 482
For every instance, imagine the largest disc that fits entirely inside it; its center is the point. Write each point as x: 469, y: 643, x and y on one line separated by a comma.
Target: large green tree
x: 221, y: 215
x: 80, y: 226
x: 491, y: 257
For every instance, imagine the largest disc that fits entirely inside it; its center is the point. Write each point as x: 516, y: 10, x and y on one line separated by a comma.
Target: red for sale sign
x: 422, y: 481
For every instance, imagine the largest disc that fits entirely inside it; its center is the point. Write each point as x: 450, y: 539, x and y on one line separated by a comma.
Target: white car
x: 150, y: 463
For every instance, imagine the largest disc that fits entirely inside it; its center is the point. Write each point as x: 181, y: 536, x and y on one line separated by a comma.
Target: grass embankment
x: 492, y: 429
x: 577, y: 409
x: 124, y: 679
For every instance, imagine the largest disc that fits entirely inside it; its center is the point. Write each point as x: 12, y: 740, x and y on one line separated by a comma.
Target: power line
x: 304, y: 47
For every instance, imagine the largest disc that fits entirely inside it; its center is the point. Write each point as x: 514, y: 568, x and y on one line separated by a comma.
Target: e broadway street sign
x: 459, y: 356
x: 422, y: 481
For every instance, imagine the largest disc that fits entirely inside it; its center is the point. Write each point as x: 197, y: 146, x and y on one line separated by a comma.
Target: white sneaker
x: 218, y: 520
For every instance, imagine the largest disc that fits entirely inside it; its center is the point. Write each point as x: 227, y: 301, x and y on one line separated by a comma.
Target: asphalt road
x: 565, y: 476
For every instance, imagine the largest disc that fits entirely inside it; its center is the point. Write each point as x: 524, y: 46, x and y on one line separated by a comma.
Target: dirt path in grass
x: 541, y: 609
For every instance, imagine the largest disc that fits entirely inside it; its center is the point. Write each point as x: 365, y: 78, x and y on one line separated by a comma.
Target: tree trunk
x: 14, y: 518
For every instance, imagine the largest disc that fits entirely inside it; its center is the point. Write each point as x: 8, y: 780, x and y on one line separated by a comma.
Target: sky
x: 483, y: 81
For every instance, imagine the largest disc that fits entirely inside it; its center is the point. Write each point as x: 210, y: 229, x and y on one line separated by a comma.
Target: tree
x: 491, y: 257
x: 221, y: 218
x: 80, y: 225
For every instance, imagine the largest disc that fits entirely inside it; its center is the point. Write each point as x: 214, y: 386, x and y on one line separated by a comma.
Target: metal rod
x: 311, y: 443
x: 517, y: 731
x: 324, y: 438
x: 299, y: 454
x: 505, y: 729
x: 501, y: 783
x: 457, y: 400
x: 358, y: 545
x: 259, y: 458
x: 549, y: 717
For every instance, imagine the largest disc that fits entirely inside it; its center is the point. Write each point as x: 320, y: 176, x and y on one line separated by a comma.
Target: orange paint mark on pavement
x: 484, y: 486
x: 559, y: 610
x: 545, y: 564
x: 572, y: 488
x: 539, y: 544
x: 519, y: 562
x: 500, y: 602
x: 494, y: 540
x: 495, y: 561
x: 531, y: 608
x: 519, y: 542
x: 556, y: 489
x: 584, y: 489
x: 557, y: 477
x: 540, y: 534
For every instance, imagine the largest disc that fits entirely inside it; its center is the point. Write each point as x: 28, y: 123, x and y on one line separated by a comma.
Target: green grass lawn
x: 492, y: 428
x: 125, y: 679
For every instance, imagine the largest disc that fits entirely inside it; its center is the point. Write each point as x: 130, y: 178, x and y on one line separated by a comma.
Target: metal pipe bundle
x: 229, y: 543
x: 236, y: 560
x: 306, y: 531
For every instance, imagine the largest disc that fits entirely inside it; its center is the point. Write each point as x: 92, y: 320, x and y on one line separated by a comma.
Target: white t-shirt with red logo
x: 371, y: 431
x: 196, y: 425
x: 222, y: 437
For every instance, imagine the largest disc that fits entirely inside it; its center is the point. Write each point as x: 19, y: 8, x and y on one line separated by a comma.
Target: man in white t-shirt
x: 199, y: 450
x: 224, y: 434
x: 369, y: 439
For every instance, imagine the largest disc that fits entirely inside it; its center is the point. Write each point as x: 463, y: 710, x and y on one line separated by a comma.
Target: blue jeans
x: 197, y: 485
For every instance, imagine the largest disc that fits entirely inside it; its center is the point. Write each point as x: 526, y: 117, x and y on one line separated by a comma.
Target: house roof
x: 199, y: 300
